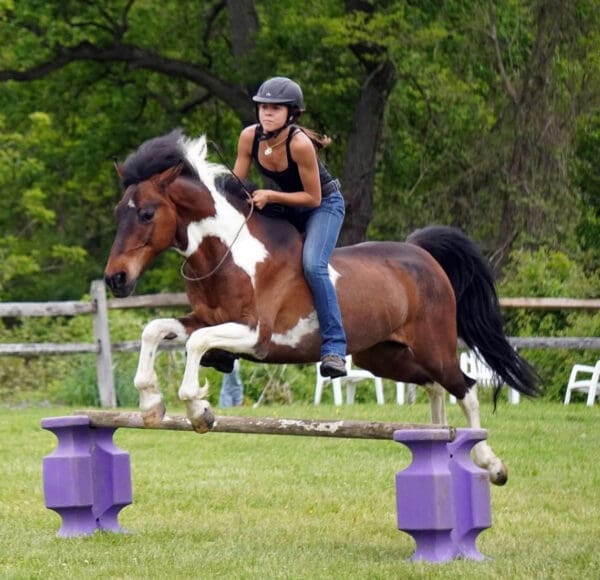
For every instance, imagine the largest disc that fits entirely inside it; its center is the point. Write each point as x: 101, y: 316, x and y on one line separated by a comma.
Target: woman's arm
x: 244, y: 153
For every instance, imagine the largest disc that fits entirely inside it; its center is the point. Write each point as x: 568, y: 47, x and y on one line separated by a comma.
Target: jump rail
x: 265, y: 425
x: 442, y: 497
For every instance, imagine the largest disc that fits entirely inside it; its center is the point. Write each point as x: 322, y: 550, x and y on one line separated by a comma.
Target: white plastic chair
x: 588, y: 384
x: 474, y: 366
x: 353, y: 376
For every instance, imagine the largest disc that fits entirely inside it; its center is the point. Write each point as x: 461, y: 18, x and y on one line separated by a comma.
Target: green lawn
x: 250, y: 506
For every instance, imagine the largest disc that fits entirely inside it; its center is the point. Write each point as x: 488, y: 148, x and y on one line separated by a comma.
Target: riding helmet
x: 280, y: 91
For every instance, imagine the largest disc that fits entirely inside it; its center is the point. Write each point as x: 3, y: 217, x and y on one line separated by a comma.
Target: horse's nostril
x: 116, y: 281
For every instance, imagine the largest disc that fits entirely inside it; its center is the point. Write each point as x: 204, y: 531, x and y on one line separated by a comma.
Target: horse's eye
x: 146, y: 215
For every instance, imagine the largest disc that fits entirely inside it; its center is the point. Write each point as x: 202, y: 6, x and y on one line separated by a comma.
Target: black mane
x: 228, y: 183
x: 155, y: 156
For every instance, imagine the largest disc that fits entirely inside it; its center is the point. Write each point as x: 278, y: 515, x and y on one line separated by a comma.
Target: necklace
x: 269, y: 148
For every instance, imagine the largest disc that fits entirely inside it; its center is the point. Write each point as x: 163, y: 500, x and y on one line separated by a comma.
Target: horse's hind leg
x: 482, y: 452
x: 437, y: 403
x: 483, y: 455
x: 399, y: 363
x: 146, y: 381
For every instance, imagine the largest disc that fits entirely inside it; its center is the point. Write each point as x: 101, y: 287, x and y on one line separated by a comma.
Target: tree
x: 461, y: 112
x: 104, y: 33
x: 483, y: 134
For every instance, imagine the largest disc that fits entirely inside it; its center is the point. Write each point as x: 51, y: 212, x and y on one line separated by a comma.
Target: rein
x: 230, y: 246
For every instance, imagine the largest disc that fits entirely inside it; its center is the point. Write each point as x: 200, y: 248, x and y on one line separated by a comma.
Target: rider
x: 287, y: 155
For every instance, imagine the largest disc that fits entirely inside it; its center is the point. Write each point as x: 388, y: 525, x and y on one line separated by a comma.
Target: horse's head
x: 146, y: 225
x: 175, y: 197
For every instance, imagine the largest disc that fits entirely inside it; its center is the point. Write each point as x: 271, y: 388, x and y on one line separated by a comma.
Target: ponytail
x: 320, y: 141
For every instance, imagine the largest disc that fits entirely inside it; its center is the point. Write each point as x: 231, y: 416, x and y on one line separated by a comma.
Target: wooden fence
x: 98, y: 307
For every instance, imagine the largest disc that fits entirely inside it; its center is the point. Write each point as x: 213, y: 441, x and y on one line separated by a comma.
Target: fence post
x: 104, y: 366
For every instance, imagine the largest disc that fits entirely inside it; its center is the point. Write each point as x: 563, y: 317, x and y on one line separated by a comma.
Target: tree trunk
x: 534, y: 170
x: 243, y: 25
x: 358, y: 176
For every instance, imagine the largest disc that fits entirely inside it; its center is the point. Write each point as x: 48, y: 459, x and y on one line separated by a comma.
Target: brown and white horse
x: 404, y: 305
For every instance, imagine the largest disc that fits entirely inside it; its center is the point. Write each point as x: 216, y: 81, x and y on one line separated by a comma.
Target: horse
x: 404, y: 304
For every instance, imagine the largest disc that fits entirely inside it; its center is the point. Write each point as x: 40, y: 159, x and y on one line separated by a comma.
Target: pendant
x: 268, y: 151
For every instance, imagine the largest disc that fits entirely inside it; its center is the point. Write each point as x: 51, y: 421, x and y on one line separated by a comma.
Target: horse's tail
x: 479, y: 321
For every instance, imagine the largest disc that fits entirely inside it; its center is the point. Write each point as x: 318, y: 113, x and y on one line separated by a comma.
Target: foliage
x: 72, y: 380
x: 491, y: 124
x: 35, y: 379
x: 548, y: 273
x: 469, y: 137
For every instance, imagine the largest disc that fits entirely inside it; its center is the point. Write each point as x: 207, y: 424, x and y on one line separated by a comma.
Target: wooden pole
x: 104, y: 366
x: 266, y: 425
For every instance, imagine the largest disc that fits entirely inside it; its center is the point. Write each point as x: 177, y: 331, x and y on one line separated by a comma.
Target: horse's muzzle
x: 119, y: 284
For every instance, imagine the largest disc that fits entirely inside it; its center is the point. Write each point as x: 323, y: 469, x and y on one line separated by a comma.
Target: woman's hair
x: 319, y: 139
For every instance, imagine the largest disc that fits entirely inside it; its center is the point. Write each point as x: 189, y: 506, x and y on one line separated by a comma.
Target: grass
x: 250, y: 506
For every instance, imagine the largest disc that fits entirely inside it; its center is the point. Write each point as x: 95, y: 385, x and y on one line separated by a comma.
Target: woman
x: 286, y: 154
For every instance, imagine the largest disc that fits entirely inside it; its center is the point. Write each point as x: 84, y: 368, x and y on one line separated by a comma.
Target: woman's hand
x: 260, y: 198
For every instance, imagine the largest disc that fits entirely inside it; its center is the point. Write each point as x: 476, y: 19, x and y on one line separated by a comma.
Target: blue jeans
x: 322, y: 228
x: 232, y: 388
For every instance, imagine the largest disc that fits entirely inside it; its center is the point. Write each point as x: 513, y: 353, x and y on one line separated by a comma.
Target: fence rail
x: 98, y: 307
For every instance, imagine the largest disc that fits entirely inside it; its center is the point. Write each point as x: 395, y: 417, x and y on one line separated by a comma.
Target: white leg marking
x: 482, y: 452
x: 230, y: 336
x: 437, y: 404
x: 146, y: 381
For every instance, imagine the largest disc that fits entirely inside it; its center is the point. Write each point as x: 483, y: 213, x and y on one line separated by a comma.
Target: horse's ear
x: 168, y: 176
x: 118, y: 167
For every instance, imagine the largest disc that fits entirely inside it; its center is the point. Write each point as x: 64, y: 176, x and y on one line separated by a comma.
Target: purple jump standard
x: 442, y: 497
x: 87, y: 479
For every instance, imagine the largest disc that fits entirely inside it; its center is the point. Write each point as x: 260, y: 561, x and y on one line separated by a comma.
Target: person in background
x: 310, y: 197
x: 232, y: 388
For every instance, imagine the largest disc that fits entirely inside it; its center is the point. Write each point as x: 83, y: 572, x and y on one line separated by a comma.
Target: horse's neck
x: 275, y: 233
x: 210, y: 224
x: 192, y: 200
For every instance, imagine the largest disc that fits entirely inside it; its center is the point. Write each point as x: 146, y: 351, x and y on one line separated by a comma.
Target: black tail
x: 479, y: 321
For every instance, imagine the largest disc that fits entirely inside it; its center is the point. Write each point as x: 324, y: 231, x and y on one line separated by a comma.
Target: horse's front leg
x: 146, y: 381
x: 482, y: 452
x: 231, y: 336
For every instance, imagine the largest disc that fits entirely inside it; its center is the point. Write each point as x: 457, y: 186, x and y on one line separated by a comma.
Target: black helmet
x: 280, y: 91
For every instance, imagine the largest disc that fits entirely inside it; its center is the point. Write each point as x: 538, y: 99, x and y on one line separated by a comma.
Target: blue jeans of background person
x: 232, y: 388
x: 322, y: 228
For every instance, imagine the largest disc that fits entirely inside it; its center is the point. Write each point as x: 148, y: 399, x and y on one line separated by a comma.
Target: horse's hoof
x: 201, y: 415
x: 154, y: 415
x: 499, y: 476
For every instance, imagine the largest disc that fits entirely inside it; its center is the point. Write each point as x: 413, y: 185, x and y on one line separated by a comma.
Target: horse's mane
x: 156, y: 155
x: 159, y: 154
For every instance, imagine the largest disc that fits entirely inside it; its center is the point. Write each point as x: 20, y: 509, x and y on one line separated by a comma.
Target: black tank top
x: 287, y: 180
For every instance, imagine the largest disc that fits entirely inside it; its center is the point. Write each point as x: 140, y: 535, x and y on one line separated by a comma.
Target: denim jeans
x: 322, y: 227
x: 232, y: 388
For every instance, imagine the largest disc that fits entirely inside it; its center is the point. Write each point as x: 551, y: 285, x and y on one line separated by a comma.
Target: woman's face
x: 271, y: 116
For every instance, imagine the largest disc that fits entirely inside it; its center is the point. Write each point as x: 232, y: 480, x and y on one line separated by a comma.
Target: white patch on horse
x: 228, y: 223
x: 293, y: 337
x: 130, y: 203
